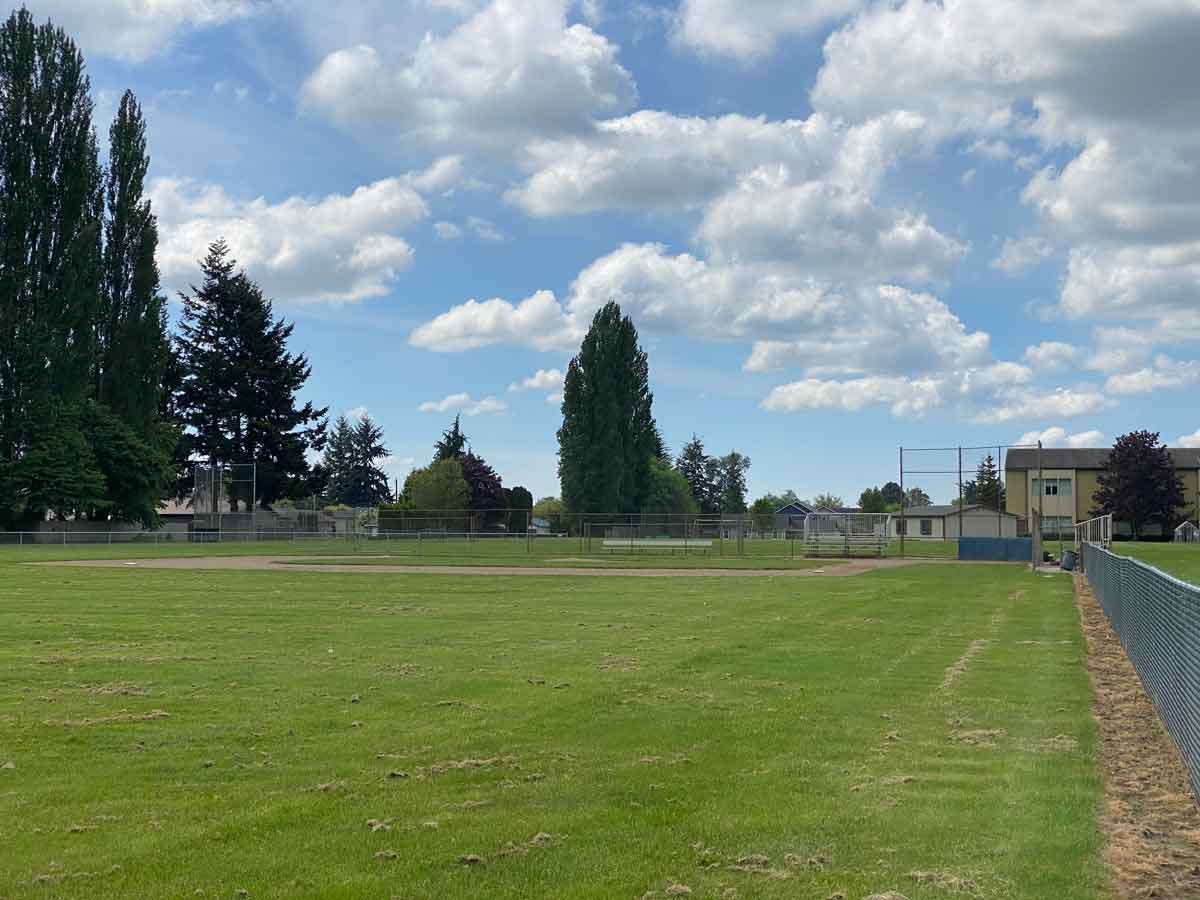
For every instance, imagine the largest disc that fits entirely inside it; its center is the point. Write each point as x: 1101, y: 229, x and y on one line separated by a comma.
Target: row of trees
x: 83, y: 345
x: 101, y: 409
x: 458, y: 480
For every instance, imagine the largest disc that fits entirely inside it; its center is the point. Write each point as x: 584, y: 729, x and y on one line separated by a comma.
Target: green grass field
x: 1180, y: 560
x: 312, y: 734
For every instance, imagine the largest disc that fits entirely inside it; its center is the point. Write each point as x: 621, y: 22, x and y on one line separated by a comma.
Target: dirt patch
x: 117, y: 688
x: 947, y: 881
x: 1060, y: 743
x: 619, y: 664
x: 459, y: 765
x: 963, y: 663
x: 979, y: 737
x: 1150, y: 819
x: 121, y: 718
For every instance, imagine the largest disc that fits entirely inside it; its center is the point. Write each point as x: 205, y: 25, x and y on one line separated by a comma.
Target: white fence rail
x: 1094, y: 531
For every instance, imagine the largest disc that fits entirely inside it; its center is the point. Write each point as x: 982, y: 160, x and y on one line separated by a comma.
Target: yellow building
x: 1062, y: 483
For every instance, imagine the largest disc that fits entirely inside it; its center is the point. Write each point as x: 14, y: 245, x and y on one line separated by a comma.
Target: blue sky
x: 840, y: 226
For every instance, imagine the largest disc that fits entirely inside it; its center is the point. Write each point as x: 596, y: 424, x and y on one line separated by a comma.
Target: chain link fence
x: 1157, y: 619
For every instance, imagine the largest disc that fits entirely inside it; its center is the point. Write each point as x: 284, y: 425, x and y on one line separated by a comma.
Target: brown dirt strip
x: 301, y: 564
x: 1150, y: 819
x: 837, y: 569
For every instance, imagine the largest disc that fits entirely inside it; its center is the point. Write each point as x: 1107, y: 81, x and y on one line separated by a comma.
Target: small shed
x: 943, y: 523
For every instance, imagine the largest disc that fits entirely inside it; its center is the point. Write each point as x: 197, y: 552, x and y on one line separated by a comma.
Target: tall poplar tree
x: 132, y: 344
x: 238, y: 395
x: 608, y: 435
x: 50, y: 222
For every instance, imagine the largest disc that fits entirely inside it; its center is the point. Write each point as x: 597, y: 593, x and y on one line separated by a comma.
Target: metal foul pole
x: 1041, y: 483
x: 960, y: 496
x: 903, y: 526
x: 253, y: 500
x: 999, y: 497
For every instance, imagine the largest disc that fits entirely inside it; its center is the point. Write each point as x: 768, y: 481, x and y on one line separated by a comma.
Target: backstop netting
x: 847, y: 534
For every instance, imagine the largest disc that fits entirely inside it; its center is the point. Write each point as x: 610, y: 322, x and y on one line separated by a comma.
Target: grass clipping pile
x: 1150, y: 820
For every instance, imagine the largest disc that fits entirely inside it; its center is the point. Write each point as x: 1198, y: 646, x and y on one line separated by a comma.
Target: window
x: 927, y: 528
x: 1056, y: 526
x: 1053, y: 487
x: 902, y: 526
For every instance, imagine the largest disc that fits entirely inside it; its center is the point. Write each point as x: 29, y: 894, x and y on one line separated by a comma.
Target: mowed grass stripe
x: 629, y: 721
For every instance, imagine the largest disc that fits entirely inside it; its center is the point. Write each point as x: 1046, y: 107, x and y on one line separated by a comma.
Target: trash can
x: 1068, y: 560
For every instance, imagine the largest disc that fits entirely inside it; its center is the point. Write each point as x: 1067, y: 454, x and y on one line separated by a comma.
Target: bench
x: 612, y: 545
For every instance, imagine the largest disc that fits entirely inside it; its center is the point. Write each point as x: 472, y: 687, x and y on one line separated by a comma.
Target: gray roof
x: 1084, y: 458
x: 795, y: 508
x: 940, y: 512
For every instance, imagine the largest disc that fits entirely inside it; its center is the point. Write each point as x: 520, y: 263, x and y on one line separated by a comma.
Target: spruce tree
x: 368, y: 482
x: 453, y: 443
x: 733, y: 468
x: 608, y: 435
x: 988, y: 488
x: 238, y: 396
x: 50, y: 220
x: 337, y: 461
x: 693, y: 464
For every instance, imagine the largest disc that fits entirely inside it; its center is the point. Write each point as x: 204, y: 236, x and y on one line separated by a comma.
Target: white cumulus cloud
x: 1049, y: 356
x: 1019, y: 254
x: 512, y: 71
x: 905, y: 397
x: 1057, y: 436
x: 136, y: 30
x: 746, y: 29
x: 338, y: 248
x: 1165, y: 373
x: 1037, y: 403
x: 465, y: 404
x: 541, y: 380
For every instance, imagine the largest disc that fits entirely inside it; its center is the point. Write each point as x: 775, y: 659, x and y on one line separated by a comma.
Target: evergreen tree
x: 59, y: 473
x: 137, y: 468
x: 453, y: 443
x: 608, y: 435
x: 733, y: 468
x: 238, y: 396
x: 696, y: 467
x: 338, y: 460
x: 520, y: 501
x: 50, y: 221
x: 131, y: 327
x: 368, y: 482
x: 1139, y: 484
x: 988, y: 488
